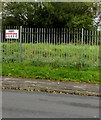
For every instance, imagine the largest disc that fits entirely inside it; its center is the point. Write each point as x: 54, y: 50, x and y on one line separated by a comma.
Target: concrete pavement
x: 50, y: 86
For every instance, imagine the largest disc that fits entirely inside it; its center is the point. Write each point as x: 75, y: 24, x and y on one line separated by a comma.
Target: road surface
x: 23, y: 104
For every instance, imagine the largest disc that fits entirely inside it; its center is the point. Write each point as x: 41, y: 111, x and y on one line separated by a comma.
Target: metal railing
x: 65, y: 46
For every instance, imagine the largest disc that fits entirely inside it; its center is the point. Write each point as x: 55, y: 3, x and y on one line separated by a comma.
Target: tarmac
x: 51, y: 86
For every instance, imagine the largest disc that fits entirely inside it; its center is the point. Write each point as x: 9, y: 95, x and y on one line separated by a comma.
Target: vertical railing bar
x: 13, y: 27
x: 69, y: 34
x: 97, y: 37
x: 61, y: 40
x: 65, y: 30
x: 84, y: 33
x: 74, y: 36
x: 25, y: 34
x: 94, y: 39
x: 15, y: 41
x: 38, y: 45
x: 60, y: 36
x: 89, y: 43
x: 91, y: 38
x: 44, y: 29
x: 93, y: 45
x: 49, y: 44
x: 77, y: 36
x: 68, y: 44
x: 42, y: 36
x: 10, y: 27
x: 37, y: 36
x: 32, y: 37
x: 49, y: 35
x: 64, y: 42
x: 87, y: 38
x: 97, y: 53
x: 31, y: 34
x: 54, y: 41
x: 64, y: 35
x: 74, y: 43
x: 24, y: 41
x: 82, y: 46
x: 34, y: 41
x: 77, y: 45
x: 20, y: 44
x: 54, y: 36
x: 7, y: 43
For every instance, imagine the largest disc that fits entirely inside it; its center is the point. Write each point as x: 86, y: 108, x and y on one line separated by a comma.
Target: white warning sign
x: 12, y: 34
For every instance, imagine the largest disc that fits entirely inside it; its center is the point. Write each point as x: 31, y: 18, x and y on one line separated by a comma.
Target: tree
x: 49, y: 14
x: 97, y: 18
x: 19, y: 13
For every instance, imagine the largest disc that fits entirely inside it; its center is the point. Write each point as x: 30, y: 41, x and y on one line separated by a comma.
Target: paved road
x: 23, y: 104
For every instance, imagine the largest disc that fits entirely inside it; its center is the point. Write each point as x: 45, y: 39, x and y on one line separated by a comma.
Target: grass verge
x: 27, y: 70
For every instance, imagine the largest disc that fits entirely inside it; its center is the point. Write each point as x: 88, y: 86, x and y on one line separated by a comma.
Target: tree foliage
x: 48, y: 14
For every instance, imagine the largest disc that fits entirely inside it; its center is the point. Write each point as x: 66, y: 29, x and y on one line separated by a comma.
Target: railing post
x: 82, y: 47
x: 20, y: 44
x: 1, y: 34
